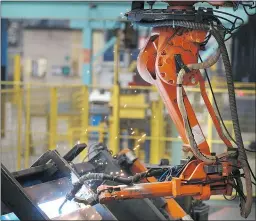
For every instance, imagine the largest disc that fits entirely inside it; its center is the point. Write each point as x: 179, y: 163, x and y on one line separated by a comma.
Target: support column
x: 176, y: 147
x: 53, y: 118
x: 114, y: 142
x: 87, y: 54
x: 84, y: 119
x: 28, y: 127
x: 157, y: 132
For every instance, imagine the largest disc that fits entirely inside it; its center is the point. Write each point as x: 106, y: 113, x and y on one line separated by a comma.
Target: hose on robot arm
x: 245, y: 205
x: 208, y: 63
x: 103, y: 177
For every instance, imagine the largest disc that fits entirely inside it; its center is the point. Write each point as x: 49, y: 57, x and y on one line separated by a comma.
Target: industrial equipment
x: 38, y: 192
x: 169, y: 60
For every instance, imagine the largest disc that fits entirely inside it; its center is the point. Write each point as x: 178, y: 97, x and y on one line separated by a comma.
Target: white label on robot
x: 198, y: 135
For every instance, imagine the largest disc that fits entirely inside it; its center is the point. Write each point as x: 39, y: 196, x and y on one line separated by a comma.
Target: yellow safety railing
x: 52, y: 116
x: 22, y: 99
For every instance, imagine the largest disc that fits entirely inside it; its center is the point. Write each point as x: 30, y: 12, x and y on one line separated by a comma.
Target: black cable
x: 231, y: 199
x: 216, y: 104
x: 207, y: 38
x: 233, y: 27
x: 240, y: 192
x: 221, y: 119
x: 89, y: 153
x: 248, y: 12
x: 148, y: 173
x: 252, y: 151
x: 249, y: 5
x: 231, y: 15
x: 254, y: 177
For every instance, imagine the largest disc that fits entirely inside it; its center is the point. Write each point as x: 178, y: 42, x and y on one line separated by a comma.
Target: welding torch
x: 102, y: 176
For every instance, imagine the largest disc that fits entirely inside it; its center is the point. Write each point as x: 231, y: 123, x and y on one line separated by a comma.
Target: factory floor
x: 227, y: 210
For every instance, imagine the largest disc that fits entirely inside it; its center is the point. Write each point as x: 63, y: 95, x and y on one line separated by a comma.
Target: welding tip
x: 61, y: 206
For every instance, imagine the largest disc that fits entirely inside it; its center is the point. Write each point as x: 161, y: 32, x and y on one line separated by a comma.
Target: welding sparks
x: 133, y: 132
x: 144, y: 135
x: 139, y: 140
x: 115, y: 137
x: 125, y: 105
x: 136, y: 147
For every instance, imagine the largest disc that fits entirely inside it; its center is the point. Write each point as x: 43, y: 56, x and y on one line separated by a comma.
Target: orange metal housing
x: 157, y: 66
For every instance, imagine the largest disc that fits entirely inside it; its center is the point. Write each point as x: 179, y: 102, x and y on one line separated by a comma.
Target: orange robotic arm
x: 169, y: 60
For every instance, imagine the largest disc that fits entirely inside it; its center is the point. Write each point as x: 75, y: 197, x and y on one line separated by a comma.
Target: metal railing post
x: 157, y: 130
x: 53, y: 118
x: 27, y: 131
x: 115, y: 119
x: 18, y: 98
x: 16, y: 77
x: 84, y: 118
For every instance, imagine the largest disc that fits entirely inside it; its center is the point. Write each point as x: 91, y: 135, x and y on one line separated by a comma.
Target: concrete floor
x: 227, y: 210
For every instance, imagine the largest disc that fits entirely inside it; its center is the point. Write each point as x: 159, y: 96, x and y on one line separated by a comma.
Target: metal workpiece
x: 86, y: 213
x: 17, y: 200
x: 74, y: 152
x: 60, y: 163
x: 49, y: 191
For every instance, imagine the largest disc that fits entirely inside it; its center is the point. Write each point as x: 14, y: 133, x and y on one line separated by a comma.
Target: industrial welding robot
x: 121, y: 187
x: 39, y: 192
